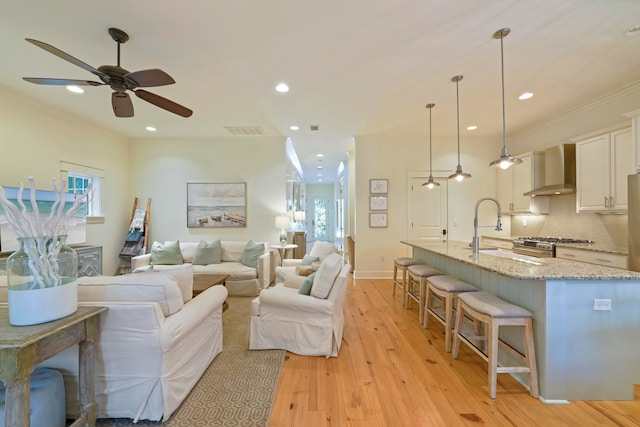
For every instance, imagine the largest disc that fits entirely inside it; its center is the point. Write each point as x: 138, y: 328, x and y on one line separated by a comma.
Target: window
x: 79, y: 184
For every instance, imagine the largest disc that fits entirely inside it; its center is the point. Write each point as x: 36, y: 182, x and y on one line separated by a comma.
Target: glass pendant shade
x: 458, y: 175
x: 430, y: 182
x: 505, y: 160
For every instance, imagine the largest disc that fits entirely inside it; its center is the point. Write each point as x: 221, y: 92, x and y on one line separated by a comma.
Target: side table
x: 283, y: 249
x: 23, y: 347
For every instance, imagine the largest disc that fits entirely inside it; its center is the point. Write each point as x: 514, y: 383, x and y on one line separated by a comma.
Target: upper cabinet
x: 603, y: 162
x: 517, y: 180
x: 635, y: 138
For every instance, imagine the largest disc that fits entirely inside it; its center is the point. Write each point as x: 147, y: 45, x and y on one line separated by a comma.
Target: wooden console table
x: 23, y: 347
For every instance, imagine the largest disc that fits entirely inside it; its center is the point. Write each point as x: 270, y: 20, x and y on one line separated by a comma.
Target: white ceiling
x: 356, y: 67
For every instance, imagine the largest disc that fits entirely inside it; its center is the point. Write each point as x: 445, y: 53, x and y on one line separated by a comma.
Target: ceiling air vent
x: 245, y: 130
x: 314, y: 127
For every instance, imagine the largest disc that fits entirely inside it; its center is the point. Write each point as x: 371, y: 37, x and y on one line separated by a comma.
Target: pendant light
x: 458, y: 175
x: 430, y: 183
x: 505, y: 160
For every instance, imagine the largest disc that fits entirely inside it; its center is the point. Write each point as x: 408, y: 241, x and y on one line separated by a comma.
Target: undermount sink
x: 511, y: 255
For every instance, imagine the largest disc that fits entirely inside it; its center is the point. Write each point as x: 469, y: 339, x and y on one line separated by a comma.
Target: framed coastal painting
x: 378, y: 186
x: 216, y: 204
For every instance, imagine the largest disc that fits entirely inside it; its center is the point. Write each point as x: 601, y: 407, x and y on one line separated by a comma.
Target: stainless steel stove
x: 541, y: 247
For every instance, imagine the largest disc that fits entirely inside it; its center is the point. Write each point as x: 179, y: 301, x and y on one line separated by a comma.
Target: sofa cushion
x: 322, y: 249
x: 232, y: 250
x: 135, y: 287
x: 252, y: 251
x: 305, y: 287
x: 188, y: 250
x: 183, y: 274
x: 236, y: 270
x: 325, y: 276
x: 308, y: 260
x: 208, y: 253
x: 168, y: 253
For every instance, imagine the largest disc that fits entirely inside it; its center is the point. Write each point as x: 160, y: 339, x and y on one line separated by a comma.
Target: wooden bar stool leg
x: 457, y: 329
x: 530, y: 354
x: 404, y: 286
x: 427, y: 304
x: 394, y: 281
x: 492, y: 356
x: 448, y: 312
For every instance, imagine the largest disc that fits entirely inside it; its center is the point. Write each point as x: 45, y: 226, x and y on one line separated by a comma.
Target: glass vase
x: 41, y: 279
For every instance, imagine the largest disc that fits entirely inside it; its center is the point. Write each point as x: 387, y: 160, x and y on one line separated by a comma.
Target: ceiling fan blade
x: 164, y: 103
x: 149, y: 78
x: 61, y: 82
x: 122, y: 105
x: 60, y: 54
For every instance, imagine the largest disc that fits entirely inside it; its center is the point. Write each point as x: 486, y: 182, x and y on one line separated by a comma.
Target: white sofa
x: 152, y: 345
x: 243, y: 280
x: 309, y: 325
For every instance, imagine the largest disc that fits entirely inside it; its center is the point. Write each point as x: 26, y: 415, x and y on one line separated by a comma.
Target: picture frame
x: 378, y: 203
x: 378, y: 186
x: 214, y: 205
x: 377, y: 220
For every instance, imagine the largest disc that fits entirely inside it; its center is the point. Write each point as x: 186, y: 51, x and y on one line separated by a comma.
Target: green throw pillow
x: 305, y: 287
x: 166, y: 254
x: 309, y: 260
x: 208, y: 253
x: 252, y: 252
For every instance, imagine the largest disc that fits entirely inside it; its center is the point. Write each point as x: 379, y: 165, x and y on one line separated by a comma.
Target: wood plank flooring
x: 393, y: 372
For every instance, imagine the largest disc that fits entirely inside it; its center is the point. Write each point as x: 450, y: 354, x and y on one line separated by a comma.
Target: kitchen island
x: 582, y: 353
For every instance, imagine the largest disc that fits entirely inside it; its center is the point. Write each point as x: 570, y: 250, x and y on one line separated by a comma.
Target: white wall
x: 35, y: 138
x: 161, y: 169
x: 395, y: 158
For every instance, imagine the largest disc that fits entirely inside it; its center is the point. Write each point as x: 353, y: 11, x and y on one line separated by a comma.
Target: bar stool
x: 401, y: 264
x: 418, y: 275
x: 447, y: 288
x: 495, y: 312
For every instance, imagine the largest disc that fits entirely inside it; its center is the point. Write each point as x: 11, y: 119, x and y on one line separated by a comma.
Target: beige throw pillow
x: 326, y: 275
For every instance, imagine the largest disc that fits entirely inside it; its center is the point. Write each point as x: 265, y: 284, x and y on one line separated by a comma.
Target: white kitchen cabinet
x: 592, y: 257
x: 517, y: 180
x: 602, y: 165
x: 635, y: 138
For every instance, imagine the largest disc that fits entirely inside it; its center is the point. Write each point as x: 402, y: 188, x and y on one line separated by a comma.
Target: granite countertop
x: 524, y: 267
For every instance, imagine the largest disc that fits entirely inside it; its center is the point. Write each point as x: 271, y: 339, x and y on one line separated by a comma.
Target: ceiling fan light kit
x: 116, y: 77
x: 505, y: 160
x: 458, y: 175
x: 430, y: 182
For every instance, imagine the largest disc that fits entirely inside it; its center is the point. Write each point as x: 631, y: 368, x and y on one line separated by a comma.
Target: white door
x: 320, y: 222
x: 428, y: 211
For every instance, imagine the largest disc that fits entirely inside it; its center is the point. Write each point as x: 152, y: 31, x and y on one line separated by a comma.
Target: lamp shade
x: 282, y: 221
x: 298, y: 215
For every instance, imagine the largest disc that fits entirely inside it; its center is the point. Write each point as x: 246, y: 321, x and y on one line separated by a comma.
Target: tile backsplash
x: 564, y: 221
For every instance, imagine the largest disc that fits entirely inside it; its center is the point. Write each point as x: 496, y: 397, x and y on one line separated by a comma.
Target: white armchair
x: 319, y: 250
x: 282, y: 318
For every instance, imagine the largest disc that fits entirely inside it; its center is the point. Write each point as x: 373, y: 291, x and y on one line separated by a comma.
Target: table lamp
x: 282, y: 222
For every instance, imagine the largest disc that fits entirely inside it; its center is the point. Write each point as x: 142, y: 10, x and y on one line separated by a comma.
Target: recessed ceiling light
x: 633, y: 31
x: 319, y: 155
x: 151, y: 129
x: 526, y: 95
x: 318, y: 174
x: 319, y: 180
x: 472, y: 127
x: 319, y: 167
x: 75, y: 89
x: 282, y: 87
x: 294, y: 127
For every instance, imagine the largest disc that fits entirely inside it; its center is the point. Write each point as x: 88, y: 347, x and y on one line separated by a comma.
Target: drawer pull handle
x: 570, y: 255
x: 603, y: 260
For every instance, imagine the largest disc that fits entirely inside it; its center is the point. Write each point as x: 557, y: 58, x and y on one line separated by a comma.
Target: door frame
x: 439, y: 176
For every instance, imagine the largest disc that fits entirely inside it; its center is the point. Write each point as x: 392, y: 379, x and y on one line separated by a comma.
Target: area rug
x: 237, y: 389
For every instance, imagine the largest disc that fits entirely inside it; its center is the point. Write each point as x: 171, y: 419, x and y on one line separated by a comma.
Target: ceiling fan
x: 119, y: 79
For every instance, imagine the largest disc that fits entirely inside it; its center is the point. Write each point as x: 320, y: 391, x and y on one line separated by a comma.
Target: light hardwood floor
x: 393, y: 372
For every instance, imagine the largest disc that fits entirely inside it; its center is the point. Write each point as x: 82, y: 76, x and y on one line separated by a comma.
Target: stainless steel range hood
x: 559, y: 171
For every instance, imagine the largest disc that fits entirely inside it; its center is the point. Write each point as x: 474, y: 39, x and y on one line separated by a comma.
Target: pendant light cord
x: 504, y: 117
x: 458, y: 119
x: 430, y: 154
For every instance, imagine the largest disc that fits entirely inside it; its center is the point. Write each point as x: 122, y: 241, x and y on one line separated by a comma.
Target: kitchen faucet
x: 475, y: 243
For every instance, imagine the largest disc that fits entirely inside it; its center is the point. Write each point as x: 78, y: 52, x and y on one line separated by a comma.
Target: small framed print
x: 378, y: 203
x: 377, y: 220
x: 378, y: 186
